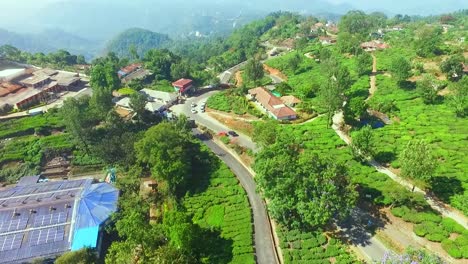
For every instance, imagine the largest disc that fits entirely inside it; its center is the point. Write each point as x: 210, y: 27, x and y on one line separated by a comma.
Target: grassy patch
x: 163, y: 85
x: 27, y: 125
x: 312, y: 247
x: 437, y: 125
x: 126, y: 91
x: 223, y: 206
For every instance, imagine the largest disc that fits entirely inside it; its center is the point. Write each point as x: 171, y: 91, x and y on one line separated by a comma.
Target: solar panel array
x: 10, y: 242
x: 46, y: 235
x: 13, y: 225
x: 35, y: 219
x: 50, y: 219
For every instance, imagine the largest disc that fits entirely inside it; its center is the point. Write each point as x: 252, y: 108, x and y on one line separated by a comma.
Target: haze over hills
x: 85, y: 26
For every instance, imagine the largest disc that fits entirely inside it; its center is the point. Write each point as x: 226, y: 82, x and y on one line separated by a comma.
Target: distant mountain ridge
x: 50, y: 40
x: 141, y: 39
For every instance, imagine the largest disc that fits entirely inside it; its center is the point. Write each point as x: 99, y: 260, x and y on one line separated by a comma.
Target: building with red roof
x: 182, y: 86
x: 271, y: 104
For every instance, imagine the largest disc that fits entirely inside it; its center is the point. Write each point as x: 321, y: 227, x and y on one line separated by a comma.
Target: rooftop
x: 182, y: 83
x: 272, y: 103
x: 45, y: 219
x: 159, y: 95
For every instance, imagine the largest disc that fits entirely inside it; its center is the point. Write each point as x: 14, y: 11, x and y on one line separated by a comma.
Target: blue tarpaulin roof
x: 85, y: 237
x: 97, y: 203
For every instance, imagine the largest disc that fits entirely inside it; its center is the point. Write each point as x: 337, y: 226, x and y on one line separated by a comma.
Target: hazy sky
x: 394, y: 6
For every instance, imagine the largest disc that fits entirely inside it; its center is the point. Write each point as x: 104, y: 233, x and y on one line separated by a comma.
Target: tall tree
x: 427, y: 88
x: 364, y: 63
x: 78, y: 122
x: 265, y: 133
x: 254, y: 71
x: 428, y: 41
x: 356, y: 22
x: 138, y: 103
x: 169, y: 155
x: 453, y: 67
x: 295, y: 61
x: 458, y: 100
x: 304, y: 191
x: 103, y: 81
x: 417, y: 162
x: 400, y: 68
x: 363, y: 145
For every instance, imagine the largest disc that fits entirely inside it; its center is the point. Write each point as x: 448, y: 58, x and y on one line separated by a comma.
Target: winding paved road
x: 264, y: 245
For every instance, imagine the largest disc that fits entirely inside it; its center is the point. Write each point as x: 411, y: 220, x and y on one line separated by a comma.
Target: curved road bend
x: 264, y: 245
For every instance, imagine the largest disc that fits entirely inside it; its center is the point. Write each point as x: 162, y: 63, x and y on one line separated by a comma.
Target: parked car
x: 202, y: 110
x: 193, y: 104
x: 233, y: 133
x: 194, y: 111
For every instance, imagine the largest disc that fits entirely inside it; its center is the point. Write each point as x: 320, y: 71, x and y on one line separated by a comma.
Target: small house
x: 183, y: 86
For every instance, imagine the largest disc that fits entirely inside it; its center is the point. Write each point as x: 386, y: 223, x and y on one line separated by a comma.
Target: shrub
x: 452, y: 249
x: 296, y: 245
x: 400, y: 211
x: 451, y: 226
x: 436, y: 237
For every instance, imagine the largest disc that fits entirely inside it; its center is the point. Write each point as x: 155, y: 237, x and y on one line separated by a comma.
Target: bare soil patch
x: 275, y: 72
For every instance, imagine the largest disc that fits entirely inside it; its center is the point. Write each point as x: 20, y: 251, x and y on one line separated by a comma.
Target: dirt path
x: 239, y: 80
x: 373, y: 78
x: 444, y: 209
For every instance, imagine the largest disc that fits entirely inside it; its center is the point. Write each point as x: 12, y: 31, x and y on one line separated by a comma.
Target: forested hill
x: 136, y: 40
x: 49, y: 40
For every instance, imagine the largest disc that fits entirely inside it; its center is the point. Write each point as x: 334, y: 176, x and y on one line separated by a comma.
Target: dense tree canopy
x: 169, y: 154
x: 400, y: 68
x: 303, y: 190
x: 417, y: 162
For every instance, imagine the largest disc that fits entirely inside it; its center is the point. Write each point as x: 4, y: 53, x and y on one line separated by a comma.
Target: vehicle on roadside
x: 233, y: 133
x: 194, y: 111
x: 193, y: 104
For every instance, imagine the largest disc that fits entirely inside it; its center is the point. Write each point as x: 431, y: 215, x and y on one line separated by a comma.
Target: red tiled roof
x: 271, y: 102
x: 182, y: 83
x: 131, y: 68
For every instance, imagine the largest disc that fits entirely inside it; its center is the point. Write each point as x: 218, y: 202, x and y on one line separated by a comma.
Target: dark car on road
x: 233, y: 133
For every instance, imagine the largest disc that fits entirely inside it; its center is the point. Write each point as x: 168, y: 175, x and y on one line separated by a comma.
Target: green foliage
x: 82, y: 256
x: 458, y: 100
x: 265, y: 133
x: 427, y: 41
x: 169, y: 153
x: 290, y: 181
x: 140, y: 40
x: 254, y: 71
x: 451, y: 226
x: 138, y: 103
x: 356, y: 22
x: 427, y: 88
x: 363, y: 145
x: 27, y: 125
x: 417, y: 161
x: 229, y: 102
x: 222, y: 205
x: 312, y: 247
x: 126, y: 91
x: 364, y: 64
x: 400, y: 68
x: 453, y: 67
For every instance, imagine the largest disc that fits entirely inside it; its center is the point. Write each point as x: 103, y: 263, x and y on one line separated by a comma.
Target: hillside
x: 141, y: 39
x: 49, y: 40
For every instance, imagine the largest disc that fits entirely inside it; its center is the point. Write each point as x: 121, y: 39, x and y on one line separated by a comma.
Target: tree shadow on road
x: 362, y: 224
